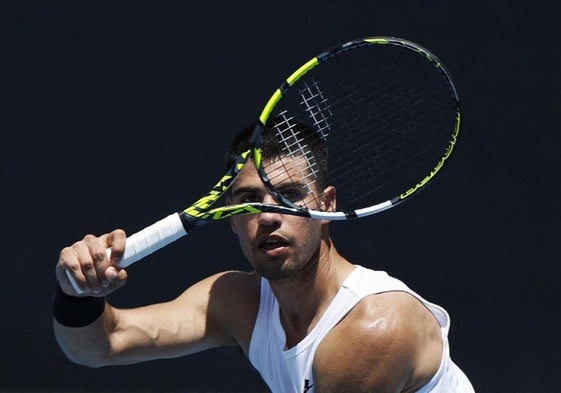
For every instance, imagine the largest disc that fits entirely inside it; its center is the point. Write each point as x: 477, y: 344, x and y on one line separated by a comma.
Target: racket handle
x: 145, y: 242
x: 151, y: 238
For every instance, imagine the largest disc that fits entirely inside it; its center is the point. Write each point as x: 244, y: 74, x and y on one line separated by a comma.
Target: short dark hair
x: 285, y: 137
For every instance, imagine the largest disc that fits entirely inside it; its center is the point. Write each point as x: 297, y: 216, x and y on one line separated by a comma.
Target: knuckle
x: 98, y: 257
x: 67, y: 259
x: 77, y: 246
x: 75, y: 267
x: 65, y: 253
x: 87, y: 266
x: 89, y: 238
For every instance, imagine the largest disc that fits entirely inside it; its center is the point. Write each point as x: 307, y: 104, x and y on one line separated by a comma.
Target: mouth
x: 272, y: 245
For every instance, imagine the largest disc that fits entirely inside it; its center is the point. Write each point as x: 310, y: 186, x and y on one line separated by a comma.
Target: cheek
x: 238, y: 224
x: 308, y: 231
x: 241, y: 226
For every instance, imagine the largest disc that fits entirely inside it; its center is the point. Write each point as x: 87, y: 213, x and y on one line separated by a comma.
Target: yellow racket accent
x: 376, y: 40
x: 200, y: 208
x: 227, y: 211
x: 302, y: 70
x: 290, y: 81
x: 447, y: 153
x: 270, y: 105
x: 257, y: 157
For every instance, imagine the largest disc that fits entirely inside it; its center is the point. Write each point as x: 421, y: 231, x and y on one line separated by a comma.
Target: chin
x: 279, y: 271
x: 273, y: 271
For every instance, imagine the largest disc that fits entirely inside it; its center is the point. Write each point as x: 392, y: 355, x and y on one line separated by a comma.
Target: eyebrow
x: 279, y: 188
x: 292, y: 184
x: 246, y: 190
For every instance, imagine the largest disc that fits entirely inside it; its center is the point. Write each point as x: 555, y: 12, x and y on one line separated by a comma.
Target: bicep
x: 179, y: 327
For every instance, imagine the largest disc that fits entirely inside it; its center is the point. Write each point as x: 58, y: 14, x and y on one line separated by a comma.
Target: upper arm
x: 217, y: 311
x: 202, y: 317
x: 170, y: 329
x: 388, y: 343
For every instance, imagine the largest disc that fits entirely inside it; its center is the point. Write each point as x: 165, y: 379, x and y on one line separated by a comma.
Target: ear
x: 329, y: 199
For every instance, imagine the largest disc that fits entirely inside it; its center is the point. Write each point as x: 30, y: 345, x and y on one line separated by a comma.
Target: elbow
x: 83, y: 347
x: 91, y: 360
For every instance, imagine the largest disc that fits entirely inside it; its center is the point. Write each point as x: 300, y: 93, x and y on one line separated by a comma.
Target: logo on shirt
x: 307, y: 385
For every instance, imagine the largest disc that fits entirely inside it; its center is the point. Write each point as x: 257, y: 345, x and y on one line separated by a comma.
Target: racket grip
x: 145, y: 242
x: 151, y: 239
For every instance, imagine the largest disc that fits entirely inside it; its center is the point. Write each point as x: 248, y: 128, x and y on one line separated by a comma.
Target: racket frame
x: 177, y: 225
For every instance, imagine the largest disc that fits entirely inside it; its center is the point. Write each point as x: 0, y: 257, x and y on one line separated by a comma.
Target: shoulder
x: 389, y: 342
x: 233, y: 294
x: 231, y: 301
x: 232, y: 283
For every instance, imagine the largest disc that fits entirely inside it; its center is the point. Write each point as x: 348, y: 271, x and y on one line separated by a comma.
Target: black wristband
x: 76, y: 311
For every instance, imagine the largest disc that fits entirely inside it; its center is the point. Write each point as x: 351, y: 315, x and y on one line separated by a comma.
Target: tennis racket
x: 373, y: 119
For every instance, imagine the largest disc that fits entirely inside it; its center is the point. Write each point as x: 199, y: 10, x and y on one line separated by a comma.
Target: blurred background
x: 115, y: 114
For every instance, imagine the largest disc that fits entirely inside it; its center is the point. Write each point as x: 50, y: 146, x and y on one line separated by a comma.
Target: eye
x: 249, y: 198
x: 293, y: 194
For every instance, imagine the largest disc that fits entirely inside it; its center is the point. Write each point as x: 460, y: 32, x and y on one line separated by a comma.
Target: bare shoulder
x: 389, y: 342
x: 231, y: 302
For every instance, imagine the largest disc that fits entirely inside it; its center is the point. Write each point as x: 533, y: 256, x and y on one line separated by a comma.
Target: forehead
x: 279, y: 170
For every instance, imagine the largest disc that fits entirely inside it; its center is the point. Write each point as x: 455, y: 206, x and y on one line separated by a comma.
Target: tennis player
x: 308, y: 319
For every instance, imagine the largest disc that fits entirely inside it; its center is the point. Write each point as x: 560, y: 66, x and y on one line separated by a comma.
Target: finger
x: 116, y: 241
x: 73, y: 283
x: 69, y: 273
x: 93, y: 260
x: 116, y: 277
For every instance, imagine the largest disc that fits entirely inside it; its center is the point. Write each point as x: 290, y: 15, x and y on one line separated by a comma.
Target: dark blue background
x: 115, y: 114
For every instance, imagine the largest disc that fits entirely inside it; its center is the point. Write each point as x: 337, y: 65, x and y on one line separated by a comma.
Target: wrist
x: 73, y: 311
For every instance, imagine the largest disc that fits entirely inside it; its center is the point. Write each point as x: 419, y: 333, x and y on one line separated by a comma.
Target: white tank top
x: 290, y: 370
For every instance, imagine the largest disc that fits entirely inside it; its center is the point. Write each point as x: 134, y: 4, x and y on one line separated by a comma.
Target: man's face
x: 277, y: 245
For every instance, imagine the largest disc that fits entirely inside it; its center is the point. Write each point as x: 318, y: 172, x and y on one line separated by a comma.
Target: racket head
x: 385, y: 110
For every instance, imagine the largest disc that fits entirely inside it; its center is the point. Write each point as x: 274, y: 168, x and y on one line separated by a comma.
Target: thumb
x: 115, y: 242
x: 116, y: 277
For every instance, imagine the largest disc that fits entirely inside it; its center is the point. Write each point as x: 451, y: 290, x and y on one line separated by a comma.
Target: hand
x: 88, y: 263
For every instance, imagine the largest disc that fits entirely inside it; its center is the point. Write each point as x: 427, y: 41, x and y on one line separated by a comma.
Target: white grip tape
x: 152, y: 238
x: 145, y: 242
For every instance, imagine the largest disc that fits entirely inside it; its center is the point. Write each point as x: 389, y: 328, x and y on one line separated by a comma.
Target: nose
x: 268, y: 199
x: 269, y: 218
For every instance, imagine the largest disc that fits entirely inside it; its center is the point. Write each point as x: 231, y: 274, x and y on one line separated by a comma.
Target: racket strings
x: 403, y: 147
x: 301, y: 169
x: 387, y: 113
x: 315, y: 105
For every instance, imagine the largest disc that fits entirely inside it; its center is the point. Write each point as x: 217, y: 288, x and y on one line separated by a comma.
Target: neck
x: 304, y: 297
